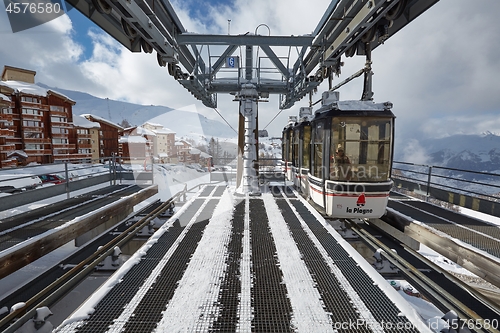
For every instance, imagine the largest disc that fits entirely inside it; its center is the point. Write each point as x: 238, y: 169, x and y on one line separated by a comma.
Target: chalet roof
x: 144, y: 131
x: 80, y: 121
x: 34, y: 89
x: 194, y: 151
x: 132, y: 139
x: 153, y: 124
x: 101, y: 120
x: 164, y: 130
x: 4, y: 99
x: 205, y: 155
x: 21, y: 153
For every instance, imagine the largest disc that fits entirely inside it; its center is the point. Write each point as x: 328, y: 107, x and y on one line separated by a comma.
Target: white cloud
x: 413, y: 152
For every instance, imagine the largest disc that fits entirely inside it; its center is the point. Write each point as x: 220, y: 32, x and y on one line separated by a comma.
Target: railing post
x: 66, y: 174
x: 152, y: 170
x: 110, y: 173
x: 429, y: 175
x: 113, y: 157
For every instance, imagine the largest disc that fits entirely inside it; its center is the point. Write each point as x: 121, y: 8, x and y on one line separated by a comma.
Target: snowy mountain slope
x: 184, y: 122
x: 468, y: 152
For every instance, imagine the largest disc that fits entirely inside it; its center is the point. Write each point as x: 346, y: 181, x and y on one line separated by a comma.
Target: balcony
x: 60, y: 124
x: 32, y: 129
x: 58, y: 113
x: 9, y: 163
x: 32, y: 117
x: 60, y: 135
x: 64, y: 146
x: 61, y: 157
x: 6, y: 132
x: 6, y: 117
x: 38, y: 152
x: 37, y: 140
x: 84, y: 146
x: 7, y: 147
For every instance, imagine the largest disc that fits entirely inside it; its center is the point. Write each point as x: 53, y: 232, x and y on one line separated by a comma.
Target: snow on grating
x: 308, y: 310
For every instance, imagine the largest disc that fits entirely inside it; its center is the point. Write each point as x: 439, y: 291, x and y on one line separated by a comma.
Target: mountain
x: 468, y: 152
x: 184, y: 123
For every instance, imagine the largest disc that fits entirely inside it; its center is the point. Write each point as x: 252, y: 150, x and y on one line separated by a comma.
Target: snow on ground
x: 443, y: 262
x: 169, y: 182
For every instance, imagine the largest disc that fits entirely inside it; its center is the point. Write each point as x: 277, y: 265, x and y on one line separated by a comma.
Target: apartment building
x: 164, y: 141
x: 6, y: 149
x: 39, y: 121
x: 87, y: 137
x: 136, y: 143
x: 109, y: 134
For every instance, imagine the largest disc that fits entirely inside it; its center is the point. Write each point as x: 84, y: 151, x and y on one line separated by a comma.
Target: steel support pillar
x: 248, y: 98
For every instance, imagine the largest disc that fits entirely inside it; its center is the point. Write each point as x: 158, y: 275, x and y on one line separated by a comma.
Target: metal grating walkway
x: 225, y: 263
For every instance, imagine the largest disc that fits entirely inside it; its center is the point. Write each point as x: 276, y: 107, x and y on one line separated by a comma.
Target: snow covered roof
x: 132, y: 139
x: 33, y: 89
x: 205, y: 155
x: 101, y: 120
x: 17, y: 152
x: 4, y: 98
x: 143, y: 131
x: 153, y: 124
x: 177, y: 143
x: 194, y: 151
x: 164, y: 130
x: 355, y: 105
x: 81, y: 121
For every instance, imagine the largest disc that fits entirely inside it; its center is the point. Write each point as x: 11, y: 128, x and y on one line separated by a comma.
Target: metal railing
x: 468, y: 182
x: 63, y: 175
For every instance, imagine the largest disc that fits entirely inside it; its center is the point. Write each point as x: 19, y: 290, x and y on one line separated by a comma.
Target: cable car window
x: 306, y: 146
x: 317, y: 167
x: 365, y: 143
x: 295, y: 147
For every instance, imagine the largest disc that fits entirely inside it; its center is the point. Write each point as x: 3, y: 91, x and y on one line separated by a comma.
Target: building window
x: 32, y: 111
x: 59, y: 141
x: 58, y: 119
x: 30, y: 135
x: 30, y: 123
x: 59, y: 130
x: 56, y: 108
x: 33, y: 147
x: 30, y: 99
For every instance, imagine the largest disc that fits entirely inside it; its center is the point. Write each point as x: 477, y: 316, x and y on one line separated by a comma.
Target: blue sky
x: 81, y: 33
x: 440, y: 72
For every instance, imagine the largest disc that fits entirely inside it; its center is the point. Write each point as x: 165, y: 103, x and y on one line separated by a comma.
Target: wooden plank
x: 29, y: 251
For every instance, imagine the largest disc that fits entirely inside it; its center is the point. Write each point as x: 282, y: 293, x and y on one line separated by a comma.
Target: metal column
x: 248, y: 97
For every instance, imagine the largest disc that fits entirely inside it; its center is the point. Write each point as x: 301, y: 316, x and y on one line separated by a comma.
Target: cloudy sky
x: 441, y: 72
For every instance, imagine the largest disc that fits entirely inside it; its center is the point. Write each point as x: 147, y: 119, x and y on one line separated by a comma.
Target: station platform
x: 230, y: 263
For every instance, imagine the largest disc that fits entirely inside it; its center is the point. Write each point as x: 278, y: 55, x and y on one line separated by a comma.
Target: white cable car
x: 351, y: 157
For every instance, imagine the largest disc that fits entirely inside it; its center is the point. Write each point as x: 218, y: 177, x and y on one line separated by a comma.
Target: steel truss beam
x: 344, y: 29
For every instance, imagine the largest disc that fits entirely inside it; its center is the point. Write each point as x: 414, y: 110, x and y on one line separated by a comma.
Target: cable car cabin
x: 301, y: 150
x: 287, y: 147
x: 351, y: 158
